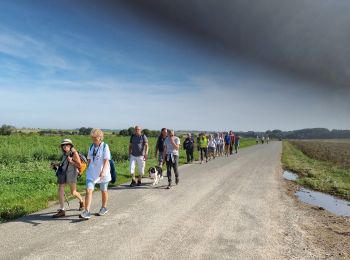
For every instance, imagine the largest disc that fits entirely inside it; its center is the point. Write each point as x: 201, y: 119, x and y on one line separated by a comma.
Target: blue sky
x: 65, y: 67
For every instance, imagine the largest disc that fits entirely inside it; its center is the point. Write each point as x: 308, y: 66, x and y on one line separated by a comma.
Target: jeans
x: 172, y: 164
x: 189, y: 154
x: 204, y: 151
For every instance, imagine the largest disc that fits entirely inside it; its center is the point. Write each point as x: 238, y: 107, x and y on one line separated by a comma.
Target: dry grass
x: 336, y: 152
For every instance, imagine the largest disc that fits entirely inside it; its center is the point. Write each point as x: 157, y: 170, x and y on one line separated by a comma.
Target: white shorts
x: 140, y: 163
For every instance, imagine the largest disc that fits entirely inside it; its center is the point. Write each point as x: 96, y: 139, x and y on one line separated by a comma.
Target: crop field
x: 321, y: 165
x: 27, y: 183
x: 335, y: 151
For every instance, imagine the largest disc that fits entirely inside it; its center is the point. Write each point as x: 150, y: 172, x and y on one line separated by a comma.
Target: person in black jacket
x: 189, y: 147
x: 160, y: 146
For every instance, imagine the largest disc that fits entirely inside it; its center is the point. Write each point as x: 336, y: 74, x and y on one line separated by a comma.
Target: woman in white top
x: 98, y: 171
x: 211, y: 147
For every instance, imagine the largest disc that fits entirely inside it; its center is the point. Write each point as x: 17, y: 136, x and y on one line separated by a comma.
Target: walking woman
x: 68, y: 175
x: 171, y: 155
x: 211, y: 147
x: 203, y: 146
x: 98, y: 171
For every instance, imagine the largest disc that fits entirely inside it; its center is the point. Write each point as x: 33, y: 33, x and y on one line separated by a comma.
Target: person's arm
x: 176, y: 146
x: 130, y: 146
x: 106, y: 157
x: 157, y: 144
x: 164, y: 152
x: 75, y: 160
x: 146, y: 151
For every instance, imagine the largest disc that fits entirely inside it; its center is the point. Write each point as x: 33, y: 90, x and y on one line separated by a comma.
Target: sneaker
x: 138, y: 182
x: 102, y: 212
x: 168, y: 187
x: 61, y: 213
x: 81, y: 205
x: 133, y: 183
x: 85, y: 215
x: 177, y: 181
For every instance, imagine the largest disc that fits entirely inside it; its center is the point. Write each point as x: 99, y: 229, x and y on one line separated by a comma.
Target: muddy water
x: 319, y: 199
x: 328, y: 202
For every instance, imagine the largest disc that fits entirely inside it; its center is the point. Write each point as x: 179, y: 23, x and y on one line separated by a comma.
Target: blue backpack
x: 112, y: 167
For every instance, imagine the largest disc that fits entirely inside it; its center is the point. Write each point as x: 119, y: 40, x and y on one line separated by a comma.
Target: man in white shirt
x: 171, y: 154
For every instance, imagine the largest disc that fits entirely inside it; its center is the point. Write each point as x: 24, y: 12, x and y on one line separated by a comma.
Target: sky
x: 68, y: 64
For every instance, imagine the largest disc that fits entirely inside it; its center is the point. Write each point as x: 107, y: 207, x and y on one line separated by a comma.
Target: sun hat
x: 67, y: 141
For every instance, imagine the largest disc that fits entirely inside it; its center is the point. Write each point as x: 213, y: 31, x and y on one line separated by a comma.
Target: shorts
x: 90, y: 185
x: 211, y: 149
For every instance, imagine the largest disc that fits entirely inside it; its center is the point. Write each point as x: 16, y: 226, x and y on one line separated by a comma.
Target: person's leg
x: 141, y: 163
x: 104, y: 193
x: 73, y: 191
x: 132, y: 168
x: 176, y: 168
x: 168, y: 169
x: 201, y: 151
x: 88, y: 198
x: 191, y: 155
x: 188, y: 156
x: 61, y: 195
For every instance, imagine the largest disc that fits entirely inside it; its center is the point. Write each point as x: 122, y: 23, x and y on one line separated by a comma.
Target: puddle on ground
x: 328, y: 202
x: 315, y: 198
x: 290, y: 176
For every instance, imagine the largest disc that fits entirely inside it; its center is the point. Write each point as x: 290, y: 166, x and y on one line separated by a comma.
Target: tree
x: 130, y: 130
x: 7, y: 129
x: 124, y: 132
x: 146, y: 132
x: 85, y: 130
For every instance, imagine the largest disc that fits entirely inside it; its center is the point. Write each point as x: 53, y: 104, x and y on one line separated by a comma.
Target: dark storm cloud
x: 310, y: 39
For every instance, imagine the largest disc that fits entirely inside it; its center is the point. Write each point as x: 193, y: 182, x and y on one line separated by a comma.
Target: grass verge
x: 318, y: 175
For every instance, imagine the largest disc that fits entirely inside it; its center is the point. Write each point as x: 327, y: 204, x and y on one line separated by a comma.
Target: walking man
x: 171, y: 154
x: 189, y: 146
x: 232, y: 142
x: 237, y: 143
x: 138, y: 153
x: 160, y: 146
x: 227, y: 140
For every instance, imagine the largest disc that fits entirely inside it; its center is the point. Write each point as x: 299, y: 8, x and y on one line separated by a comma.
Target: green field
x: 27, y: 184
x: 322, y: 166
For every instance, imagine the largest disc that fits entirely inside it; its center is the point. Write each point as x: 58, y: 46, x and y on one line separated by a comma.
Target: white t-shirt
x: 96, y: 163
x: 169, y: 146
x: 212, y: 143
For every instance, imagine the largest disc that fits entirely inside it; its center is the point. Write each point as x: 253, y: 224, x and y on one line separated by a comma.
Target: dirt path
x: 230, y: 208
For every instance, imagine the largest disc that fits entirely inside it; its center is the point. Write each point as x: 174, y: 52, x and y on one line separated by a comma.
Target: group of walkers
x: 99, y: 156
x: 262, y: 139
x: 211, y: 146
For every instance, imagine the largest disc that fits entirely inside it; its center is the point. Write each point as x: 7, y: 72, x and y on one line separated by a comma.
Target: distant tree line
x: 307, y: 133
x: 147, y: 132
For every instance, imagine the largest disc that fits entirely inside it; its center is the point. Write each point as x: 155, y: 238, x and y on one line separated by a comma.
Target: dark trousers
x: 231, y: 148
x: 189, y: 153
x: 204, y: 152
x: 170, y: 164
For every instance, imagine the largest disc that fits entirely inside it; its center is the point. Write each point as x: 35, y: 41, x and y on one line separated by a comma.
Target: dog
x: 156, y: 174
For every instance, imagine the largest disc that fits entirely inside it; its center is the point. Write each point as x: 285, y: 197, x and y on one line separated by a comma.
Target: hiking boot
x: 81, y: 205
x: 133, y: 183
x: 61, y: 213
x: 102, y: 212
x: 138, y: 182
x: 177, y: 181
x: 85, y: 215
